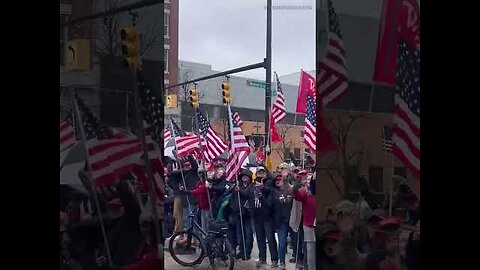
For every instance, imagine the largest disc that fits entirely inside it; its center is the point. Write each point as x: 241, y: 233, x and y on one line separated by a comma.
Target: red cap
x: 389, y: 224
x: 115, y: 203
x: 303, y: 172
x: 332, y: 235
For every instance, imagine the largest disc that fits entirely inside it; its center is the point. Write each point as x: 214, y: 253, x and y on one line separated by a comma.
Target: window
x: 165, y: 69
x: 351, y: 178
x: 376, y: 178
x: 400, y: 171
x: 286, y: 154
x: 62, y: 41
x: 296, y: 153
x: 166, y: 23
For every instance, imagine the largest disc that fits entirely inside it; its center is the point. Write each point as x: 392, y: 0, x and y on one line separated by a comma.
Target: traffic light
x: 131, y: 47
x: 227, y: 98
x: 194, y: 97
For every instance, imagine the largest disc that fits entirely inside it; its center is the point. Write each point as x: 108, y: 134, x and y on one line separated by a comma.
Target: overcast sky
x: 230, y: 34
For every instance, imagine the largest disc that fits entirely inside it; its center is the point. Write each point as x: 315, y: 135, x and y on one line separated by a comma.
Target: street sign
x: 256, y: 84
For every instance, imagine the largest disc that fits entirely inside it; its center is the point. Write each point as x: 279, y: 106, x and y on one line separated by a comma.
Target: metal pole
x: 89, y: 173
x: 146, y: 160
x: 370, y: 102
x: 179, y: 163
x: 390, y: 210
x: 236, y: 175
x: 203, y: 159
x: 268, y: 76
x: 221, y: 74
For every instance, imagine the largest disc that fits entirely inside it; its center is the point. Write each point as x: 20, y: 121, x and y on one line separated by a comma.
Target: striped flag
x: 236, y: 116
x: 167, y: 135
x: 238, y: 149
x: 387, y: 143
x: 278, y: 110
x: 67, y: 133
x: 212, y: 143
x: 310, y: 131
x: 186, y: 144
x: 406, y: 120
x: 332, y: 79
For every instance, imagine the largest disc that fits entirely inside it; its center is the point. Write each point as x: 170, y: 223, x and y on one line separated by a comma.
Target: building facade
x: 170, y: 31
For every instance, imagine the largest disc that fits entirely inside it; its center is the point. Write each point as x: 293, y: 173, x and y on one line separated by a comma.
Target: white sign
x: 65, y: 9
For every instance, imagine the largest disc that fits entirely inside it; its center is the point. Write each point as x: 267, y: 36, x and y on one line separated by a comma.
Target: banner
x: 387, y: 46
x: 307, y: 83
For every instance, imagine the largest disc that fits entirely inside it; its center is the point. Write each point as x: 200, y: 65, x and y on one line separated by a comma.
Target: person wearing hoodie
x: 245, y: 191
x: 263, y: 217
x: 282, y: 197
x: 303, y: 193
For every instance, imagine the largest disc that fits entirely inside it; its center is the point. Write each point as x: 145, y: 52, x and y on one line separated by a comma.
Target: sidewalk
x: 170, y: 264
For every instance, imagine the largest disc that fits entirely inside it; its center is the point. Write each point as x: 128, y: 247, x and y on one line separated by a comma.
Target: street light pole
x: 268, y: 76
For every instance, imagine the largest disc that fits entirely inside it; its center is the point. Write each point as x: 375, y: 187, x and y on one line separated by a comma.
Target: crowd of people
x: 282, y: 202
x: 355, y: 237
x: 129, y: 229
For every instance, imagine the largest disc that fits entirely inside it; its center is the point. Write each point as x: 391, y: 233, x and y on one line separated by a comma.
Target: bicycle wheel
x: 186, y: 248
x: 223, y: 256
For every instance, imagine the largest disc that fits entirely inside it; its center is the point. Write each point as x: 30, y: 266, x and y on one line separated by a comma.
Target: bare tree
x: 341, y: 130
x: 184, y: 90
x: 286, y: 142
x: 108, y: 30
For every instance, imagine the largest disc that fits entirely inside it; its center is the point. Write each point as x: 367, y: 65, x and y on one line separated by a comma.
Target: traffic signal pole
x: 268, y: 78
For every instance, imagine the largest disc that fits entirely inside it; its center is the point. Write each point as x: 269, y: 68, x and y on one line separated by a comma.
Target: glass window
x: 165, y: 60
x: 166, y: 23
x: 376, y: 178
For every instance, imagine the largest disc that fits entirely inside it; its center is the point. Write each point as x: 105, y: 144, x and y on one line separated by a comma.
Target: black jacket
x: 282, y: 205
x: 246, y: 200
x: 191, y: 179
x: 218, y: 187
x: 264, y: 196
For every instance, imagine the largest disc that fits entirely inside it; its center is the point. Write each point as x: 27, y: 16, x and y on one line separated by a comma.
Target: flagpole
x: 89, y: 173
x: 390, y: 210
x: 179, y: 163
x: 146, y: 160
x: 203, y: 159
x: 236, y: 178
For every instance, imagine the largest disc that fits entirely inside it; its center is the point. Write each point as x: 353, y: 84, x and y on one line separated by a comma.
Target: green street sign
x: 256, y: 84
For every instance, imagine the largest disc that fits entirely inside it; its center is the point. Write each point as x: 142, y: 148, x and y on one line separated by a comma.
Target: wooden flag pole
x: 89, y: 173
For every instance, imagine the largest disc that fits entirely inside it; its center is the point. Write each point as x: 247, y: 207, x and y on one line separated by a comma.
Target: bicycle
x: 212, y: 244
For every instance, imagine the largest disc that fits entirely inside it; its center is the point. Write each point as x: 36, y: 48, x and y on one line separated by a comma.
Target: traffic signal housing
x: 194, y: 97
x: 227, y: 98
x: 131, y: 47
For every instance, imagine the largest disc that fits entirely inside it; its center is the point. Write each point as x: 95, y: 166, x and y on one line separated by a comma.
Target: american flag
x: 167, y: 135
x: 278, y: 110
x: 406, y: 121
x: 238, y: 150
x: 212, y: 143
x: 310, y: 131
x: 185, y: 142
x: 236, y: 116
x: 67, y: 133
x: 332, y: 79
x: 387, y: 139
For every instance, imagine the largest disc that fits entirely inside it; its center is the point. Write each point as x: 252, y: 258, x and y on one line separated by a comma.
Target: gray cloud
x: 230, y: 34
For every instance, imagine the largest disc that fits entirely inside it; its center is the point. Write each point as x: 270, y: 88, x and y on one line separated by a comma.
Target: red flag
x: 387, y: 46
x: 273, y: 131
x: 307, y: 83
x: 325, y: 141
